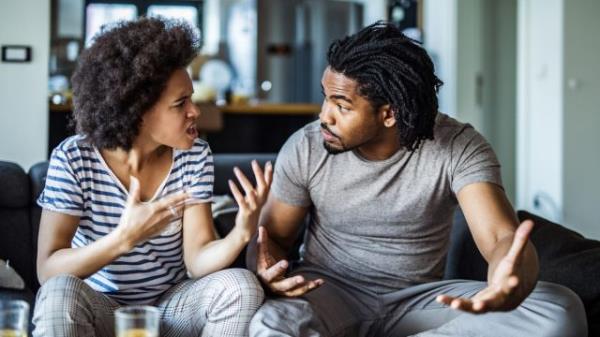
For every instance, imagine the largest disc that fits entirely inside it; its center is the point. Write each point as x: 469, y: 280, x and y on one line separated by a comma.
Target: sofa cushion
x: 569, y: 259
x: 565, y: 257
x: 14, y: 185
x: 224, y: 164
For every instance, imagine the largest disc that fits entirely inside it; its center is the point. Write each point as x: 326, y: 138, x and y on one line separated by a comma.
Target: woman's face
x: 172, y: 120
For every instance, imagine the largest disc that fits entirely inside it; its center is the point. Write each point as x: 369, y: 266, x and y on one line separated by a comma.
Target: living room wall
x: 24, y: 86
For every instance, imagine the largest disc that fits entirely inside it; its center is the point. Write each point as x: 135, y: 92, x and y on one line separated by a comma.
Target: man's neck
x: 381, y: 148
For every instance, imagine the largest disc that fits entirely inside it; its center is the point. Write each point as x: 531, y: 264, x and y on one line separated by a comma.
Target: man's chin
x: 333, y: 149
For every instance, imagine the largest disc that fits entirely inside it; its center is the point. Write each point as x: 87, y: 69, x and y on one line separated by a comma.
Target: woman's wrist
x: 241, y: 234
x: 122, y: 242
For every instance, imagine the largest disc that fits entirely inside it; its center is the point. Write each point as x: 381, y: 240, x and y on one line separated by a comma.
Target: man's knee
x: 563, y: 310
x: 285, y: 317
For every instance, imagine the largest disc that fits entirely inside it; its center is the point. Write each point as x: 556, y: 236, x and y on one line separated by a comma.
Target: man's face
x: 348, y: 120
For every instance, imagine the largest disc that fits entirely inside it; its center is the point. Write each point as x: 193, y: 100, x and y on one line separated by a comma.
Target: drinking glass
x: 137, y: 321
x: 14, y: 318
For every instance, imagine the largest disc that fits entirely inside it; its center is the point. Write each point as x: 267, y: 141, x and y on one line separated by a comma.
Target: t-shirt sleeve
x: 473, y: 160
x: 62, y: 192
x: 200, y: 189
x: 290, y: 179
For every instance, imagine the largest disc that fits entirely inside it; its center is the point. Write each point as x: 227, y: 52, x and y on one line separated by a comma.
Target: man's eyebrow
x: 340, y: 97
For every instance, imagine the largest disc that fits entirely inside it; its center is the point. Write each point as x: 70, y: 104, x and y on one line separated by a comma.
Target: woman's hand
x: 141, y: 221
x: 251, y: 202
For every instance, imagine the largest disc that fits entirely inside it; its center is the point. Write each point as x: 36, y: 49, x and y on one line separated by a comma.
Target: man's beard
x: 333, y: 150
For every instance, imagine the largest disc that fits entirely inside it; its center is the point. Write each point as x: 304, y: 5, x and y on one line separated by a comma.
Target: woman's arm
x: 138, y: 222
x: 202, y: 253
x: 55, y: 255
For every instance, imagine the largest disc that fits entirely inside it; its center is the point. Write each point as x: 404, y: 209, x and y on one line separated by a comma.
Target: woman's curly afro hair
x: 122, y: 75
x: 393, y: 69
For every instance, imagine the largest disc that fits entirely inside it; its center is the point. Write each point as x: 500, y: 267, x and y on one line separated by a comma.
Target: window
x: 106, y: 12
x: 98, y: 15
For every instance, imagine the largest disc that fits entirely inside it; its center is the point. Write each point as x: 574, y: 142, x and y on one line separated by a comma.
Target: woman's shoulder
x: 73, y: 148
x: 200, y: 151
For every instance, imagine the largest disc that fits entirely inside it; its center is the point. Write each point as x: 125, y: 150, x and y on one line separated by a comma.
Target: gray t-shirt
x: 383, y: 224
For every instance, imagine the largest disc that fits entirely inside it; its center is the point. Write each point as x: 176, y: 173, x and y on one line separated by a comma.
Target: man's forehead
x: 333, y: 80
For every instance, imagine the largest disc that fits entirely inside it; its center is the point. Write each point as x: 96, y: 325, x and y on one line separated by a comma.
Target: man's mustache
x: 324, y: 126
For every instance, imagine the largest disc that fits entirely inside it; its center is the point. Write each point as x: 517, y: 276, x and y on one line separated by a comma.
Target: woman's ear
x: 387, y: 115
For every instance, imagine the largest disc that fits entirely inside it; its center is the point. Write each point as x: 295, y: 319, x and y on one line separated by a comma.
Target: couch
x: 566, y: 257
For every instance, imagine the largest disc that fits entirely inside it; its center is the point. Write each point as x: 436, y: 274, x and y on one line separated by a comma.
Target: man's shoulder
x: 447, y: 129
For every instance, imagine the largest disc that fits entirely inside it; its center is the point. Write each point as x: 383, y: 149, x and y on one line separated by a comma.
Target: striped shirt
x: 80, y: 183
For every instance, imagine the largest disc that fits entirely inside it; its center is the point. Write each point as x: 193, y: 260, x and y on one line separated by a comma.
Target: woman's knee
x: 238, y: 287
x: 56, y: 289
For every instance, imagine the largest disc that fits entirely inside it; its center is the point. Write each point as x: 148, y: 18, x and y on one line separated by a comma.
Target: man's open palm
x: 506, y: 285
x: 272, y: 273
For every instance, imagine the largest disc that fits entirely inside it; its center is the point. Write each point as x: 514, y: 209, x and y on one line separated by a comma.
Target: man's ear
x: 387, y: 115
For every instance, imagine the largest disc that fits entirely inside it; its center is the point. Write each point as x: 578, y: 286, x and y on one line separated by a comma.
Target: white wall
x: 440, y: 40
x: 581, y: 116
x: 473, y: 43
x: 23, y: 86
x: 559, y: 86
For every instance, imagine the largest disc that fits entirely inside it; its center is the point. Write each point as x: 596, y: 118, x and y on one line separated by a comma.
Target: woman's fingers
x: 173, y: 200
x: 237, y: 195
x: 246, y: 184
x: 268, y: 173
x: 259, y: 176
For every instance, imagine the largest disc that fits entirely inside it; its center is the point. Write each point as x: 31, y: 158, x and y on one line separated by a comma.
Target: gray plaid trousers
x: 219, y: 304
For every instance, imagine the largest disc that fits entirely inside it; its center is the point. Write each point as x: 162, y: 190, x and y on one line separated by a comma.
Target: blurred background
x: 523, y: 72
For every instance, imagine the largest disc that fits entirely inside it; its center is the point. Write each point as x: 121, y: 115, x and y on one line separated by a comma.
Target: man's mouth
x: 327, y: 135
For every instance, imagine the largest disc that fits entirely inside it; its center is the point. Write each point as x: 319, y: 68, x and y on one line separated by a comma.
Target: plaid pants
x: 219, y: 304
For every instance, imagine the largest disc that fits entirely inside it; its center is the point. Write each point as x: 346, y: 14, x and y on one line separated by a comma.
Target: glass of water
x: 137, y: 321
x: 14, y: 318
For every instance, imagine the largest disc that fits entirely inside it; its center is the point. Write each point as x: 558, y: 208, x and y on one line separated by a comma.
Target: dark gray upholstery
x: 16, y: 236
x: 565, y: 258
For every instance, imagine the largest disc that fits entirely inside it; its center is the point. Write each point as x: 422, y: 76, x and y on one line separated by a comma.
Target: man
x: 381, y: 174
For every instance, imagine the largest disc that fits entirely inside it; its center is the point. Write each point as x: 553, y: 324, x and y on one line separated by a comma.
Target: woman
x: 126, y: 207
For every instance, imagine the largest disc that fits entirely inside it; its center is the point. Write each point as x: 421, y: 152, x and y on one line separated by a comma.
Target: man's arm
x: 267, y: 255
x: 512, y: 259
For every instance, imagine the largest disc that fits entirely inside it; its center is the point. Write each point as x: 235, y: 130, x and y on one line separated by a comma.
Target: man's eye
x: 341, y: 108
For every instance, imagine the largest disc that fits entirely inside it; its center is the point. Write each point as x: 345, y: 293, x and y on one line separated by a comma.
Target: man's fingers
x: 287, y: 284
x: 304, y: 288
x: 274, y: 272
x: 520, y: 240
x: 463, y: 304
x: 264, y: 258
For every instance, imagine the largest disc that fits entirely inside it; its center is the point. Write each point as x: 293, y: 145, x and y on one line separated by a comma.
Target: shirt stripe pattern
x: 79, y: 183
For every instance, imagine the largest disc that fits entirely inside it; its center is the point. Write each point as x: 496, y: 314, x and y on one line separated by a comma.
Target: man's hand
x: 508, y: 283
x: 272, y: 273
